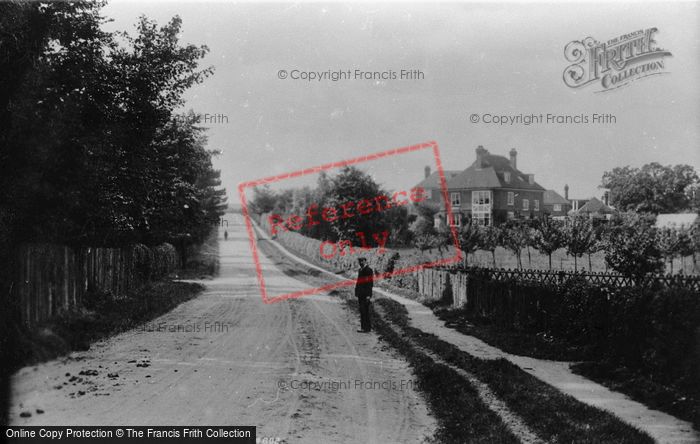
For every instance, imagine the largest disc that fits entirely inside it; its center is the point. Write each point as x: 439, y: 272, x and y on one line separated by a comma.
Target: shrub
x: 631, y: 247
x: 653, y: 330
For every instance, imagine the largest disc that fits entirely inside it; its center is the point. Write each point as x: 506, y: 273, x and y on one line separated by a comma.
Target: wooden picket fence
x: 53, y: 278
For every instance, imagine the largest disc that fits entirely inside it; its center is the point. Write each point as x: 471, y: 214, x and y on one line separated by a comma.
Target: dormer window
x: 506, y: 176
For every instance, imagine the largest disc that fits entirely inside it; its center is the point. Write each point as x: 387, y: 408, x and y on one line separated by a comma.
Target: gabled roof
x: 551, y: 197
x: 433, y: 181
x: 676, y: 220
x: 491, y: 175
x: 475, y: 178
x: 595, y: 205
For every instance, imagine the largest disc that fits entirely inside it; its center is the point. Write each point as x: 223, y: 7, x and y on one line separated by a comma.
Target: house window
x: 526, y: 204
x: 511, y: 215
x: 481, y: 207
x: 537, y: 205
x: 506, y: 176
x: 511, y: 198
x: 456, y: 199
x: 557, y: 207
x: 457, y: 220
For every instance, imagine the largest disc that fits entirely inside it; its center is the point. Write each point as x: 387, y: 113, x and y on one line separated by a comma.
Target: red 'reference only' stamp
x: 353, y: 242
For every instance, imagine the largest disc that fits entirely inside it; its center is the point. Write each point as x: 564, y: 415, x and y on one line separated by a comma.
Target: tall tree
x: 653, y: 188
x: 354, y: 185
x: 96, y: 155
x: 264, y: 199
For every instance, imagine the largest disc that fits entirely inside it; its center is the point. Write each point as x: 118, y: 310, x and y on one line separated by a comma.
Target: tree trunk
x: 550, y: 261
x: 529, y: 259
x: 575, y: 264
x: 493, y: 255
x: 590, y: 267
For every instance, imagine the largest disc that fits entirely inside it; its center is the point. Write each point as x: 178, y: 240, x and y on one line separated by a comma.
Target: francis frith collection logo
x: 615, y: 63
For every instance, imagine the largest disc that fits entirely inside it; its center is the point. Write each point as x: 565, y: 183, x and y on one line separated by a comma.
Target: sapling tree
x: 549, y: 236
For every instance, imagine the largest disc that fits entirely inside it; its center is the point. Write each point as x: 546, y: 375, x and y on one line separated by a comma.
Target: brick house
x: 491, y: 191
x: 595, y: 209
x: 555, y: 205
x: 433, y: 190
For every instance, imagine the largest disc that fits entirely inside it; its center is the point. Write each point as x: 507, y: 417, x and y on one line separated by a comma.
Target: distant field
x: 560, y: 260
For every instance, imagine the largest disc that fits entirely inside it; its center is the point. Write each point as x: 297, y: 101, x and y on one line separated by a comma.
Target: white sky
x: 477, y: 58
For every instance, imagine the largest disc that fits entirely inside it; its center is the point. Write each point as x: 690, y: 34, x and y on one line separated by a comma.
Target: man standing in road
x: 363, y: 292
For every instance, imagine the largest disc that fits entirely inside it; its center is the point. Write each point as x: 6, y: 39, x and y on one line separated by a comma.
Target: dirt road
x: 296, y: 369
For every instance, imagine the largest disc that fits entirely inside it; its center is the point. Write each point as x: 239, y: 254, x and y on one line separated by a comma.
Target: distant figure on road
x: 225, y: 235
x: 363, y: 292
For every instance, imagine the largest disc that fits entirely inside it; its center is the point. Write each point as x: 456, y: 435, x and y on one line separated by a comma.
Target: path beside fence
x: 663, y: 427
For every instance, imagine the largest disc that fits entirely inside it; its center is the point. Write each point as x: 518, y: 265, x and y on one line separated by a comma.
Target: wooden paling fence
x: 53, y: 278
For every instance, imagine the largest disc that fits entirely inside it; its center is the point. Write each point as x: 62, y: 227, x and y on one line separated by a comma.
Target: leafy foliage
x: 549, y: 236
x: 469, y: 237
x: 515, y: 238
x: 653, y: 188
x: 631, y: 246
x: 94, y: 152
x: 580, y: 237
x: 490, y: 239
x: 349, y: 185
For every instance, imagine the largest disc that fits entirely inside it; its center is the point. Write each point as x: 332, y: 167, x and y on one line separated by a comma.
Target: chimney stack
x: 606, y: 197
x: 514, y: 158
x: 480, y: 152
x: 566, y: 191
x: 531, y: 179
x: 427, y: 171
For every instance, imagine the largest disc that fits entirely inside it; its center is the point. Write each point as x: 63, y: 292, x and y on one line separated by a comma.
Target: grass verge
x: 100, y: 317
x: 644, y: 389
x: 461, y: 414
x: 641, y: 387
x: 514, y: 342
x: 552, y: 415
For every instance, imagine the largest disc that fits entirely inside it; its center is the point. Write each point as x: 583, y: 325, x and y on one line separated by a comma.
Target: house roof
x: 491, y: 175
x: 551, y: 197
x: 433, y: 181
x: 676, y: 220
x: 595, y: 205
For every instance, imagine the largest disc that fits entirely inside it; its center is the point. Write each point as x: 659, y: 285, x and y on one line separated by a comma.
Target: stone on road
x: 295, y: 369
